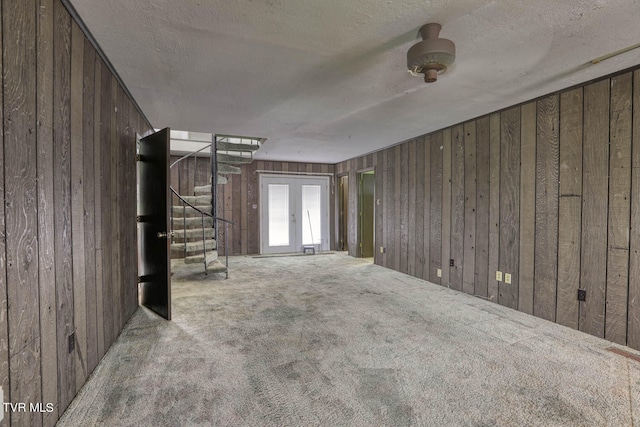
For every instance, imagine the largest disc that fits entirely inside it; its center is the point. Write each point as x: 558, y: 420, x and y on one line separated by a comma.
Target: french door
x: 294, y: 213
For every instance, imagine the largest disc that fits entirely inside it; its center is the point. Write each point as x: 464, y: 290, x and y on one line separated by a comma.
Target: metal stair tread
x: 232, y: 146
x: 234, y: 160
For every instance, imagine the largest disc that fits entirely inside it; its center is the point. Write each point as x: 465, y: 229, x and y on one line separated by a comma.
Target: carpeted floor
x: 336, y: 341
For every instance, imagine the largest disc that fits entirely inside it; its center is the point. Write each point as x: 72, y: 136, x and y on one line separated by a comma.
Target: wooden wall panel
x: 569, y: 210
x: 228, y: 214
x: 593, y: 270
x: 252, y: 212
x: 236, y: 233
x: 546, y: 209
x: 413, y: 257
x: 4, y: 329
x: 457, y: 207
x: 509, y: 205
x: 46, y: 257
x: 21, y: 216
x: 470, y: 194
x: 386, y: 207
x: 244, y: 219
x: 402, y: 209
x: 633, y: 320
x: 88, y: 128
x: 115, y: 308
x: 436, y: 209
x: 106, y: 200
x: 379, y: 209
x: 393, y: 211
x: 527, y: 206
x: 62, y: 203
x: 77, y: 203
x: 493, y: 285
x: 97, y: 190
x: 446, y: 207
x: 424, y: 206
x: 619, y: 209
x: 129, y: 227
x: 482, y: 207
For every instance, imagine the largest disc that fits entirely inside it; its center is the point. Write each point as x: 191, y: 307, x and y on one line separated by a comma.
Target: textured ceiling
x: 325, y: 81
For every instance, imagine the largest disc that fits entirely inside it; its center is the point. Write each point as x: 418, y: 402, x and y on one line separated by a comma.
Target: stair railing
x: 215, y: 218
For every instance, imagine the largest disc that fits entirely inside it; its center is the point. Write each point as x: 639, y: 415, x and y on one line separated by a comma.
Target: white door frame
x: 298, y: 180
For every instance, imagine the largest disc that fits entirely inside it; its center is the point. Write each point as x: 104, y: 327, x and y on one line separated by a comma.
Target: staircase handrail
x: 189, y: 155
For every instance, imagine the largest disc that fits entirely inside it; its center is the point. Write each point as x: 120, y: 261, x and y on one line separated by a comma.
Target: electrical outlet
x: 499, y: 276
x: 451, y: 263
x: 507, y: 278
x: 382, y: 249
x: 439, y: 272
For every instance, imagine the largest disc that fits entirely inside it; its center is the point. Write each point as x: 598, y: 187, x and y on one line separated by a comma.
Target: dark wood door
x: 153, y: 223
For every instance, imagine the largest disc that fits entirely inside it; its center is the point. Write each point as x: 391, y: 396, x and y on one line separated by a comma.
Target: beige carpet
x: 336, y: 341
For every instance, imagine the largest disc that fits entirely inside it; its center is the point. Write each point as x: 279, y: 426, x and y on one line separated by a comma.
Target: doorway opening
x: 343, y: 212
x: 366, y: 213
x: 294, y: 213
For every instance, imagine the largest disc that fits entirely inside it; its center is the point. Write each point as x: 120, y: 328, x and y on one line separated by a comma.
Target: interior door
x: 294, y: 213
x: 153, y: 223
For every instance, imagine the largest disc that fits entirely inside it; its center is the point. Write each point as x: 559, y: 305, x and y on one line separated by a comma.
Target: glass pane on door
x: 311, y: 215
x: 278, y: 214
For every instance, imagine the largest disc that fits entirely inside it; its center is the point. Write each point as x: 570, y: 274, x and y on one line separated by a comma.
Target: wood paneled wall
x: 68, y: 262
x: 239, y: 199
x: 190, y: 172
x: 547, y: 191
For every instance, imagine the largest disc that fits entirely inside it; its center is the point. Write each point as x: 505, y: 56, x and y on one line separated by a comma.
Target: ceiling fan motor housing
x: 432, y: 55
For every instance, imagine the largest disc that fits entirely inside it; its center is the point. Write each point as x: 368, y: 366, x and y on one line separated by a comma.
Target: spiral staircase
x: 195, y: 225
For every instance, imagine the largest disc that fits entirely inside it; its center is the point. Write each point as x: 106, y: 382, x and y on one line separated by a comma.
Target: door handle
x: 164, y: 234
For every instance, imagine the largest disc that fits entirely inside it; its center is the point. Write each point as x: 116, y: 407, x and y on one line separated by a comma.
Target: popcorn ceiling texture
x: 326, y: 80
x: 334, y: 340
